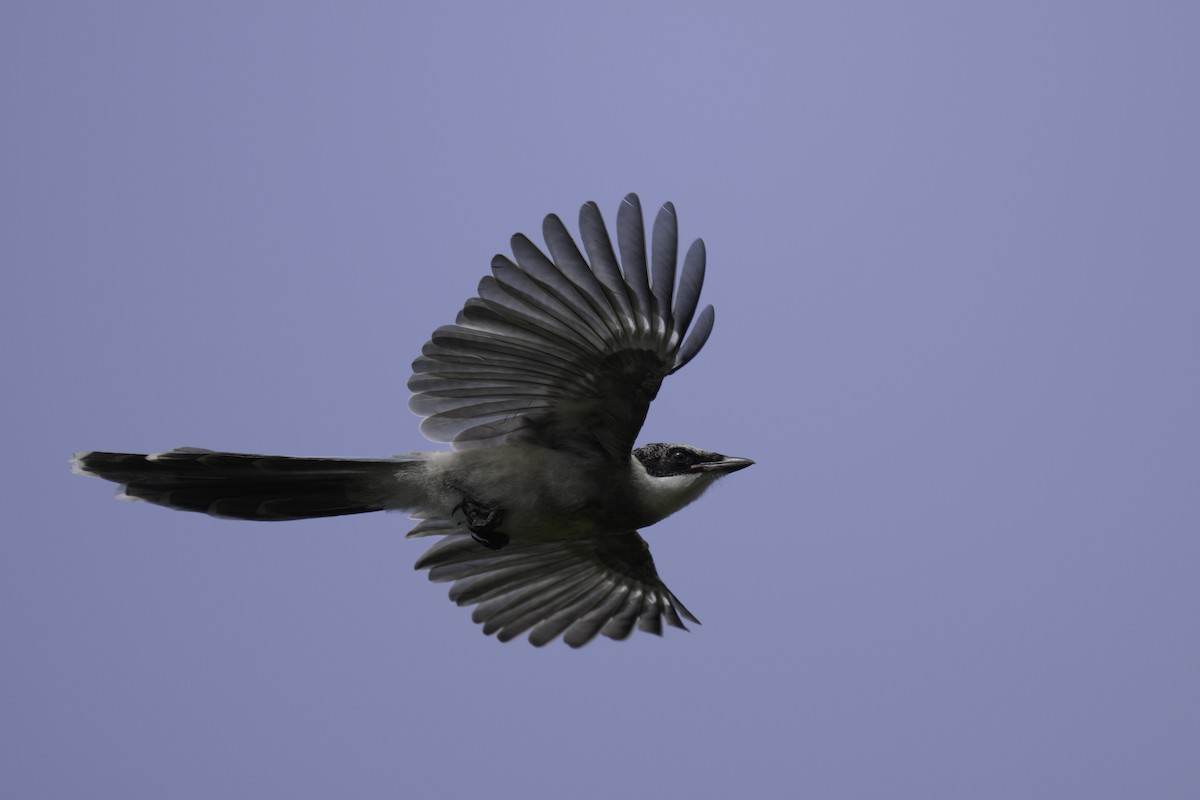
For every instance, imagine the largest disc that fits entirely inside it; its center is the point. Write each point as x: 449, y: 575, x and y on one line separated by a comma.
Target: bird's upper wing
x: 574, y: 588
x: 566, y: 351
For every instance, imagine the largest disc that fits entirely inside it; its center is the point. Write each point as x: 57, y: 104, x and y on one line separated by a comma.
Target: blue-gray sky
x: 955, y: 254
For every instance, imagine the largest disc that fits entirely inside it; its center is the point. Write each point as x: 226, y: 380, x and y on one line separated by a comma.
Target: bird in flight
x: 541, y: 385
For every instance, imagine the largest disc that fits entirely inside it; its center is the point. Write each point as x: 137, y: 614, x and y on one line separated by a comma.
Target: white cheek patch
x: 666, y: 495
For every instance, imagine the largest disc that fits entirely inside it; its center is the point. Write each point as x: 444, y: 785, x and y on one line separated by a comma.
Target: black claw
x: 483, y: 523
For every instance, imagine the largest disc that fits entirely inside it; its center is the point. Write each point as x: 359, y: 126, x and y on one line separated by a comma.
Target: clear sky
x: 955, y: 254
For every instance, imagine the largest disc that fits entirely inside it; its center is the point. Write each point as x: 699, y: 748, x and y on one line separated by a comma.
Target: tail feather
x: 254, y: 487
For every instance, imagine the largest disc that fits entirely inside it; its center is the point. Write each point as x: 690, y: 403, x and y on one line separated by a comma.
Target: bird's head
x: 676, y: 474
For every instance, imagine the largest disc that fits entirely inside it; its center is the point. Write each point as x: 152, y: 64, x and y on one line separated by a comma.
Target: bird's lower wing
x: 573, y: 588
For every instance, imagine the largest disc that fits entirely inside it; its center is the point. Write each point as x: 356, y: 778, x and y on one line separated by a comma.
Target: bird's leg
x: 484, y: 523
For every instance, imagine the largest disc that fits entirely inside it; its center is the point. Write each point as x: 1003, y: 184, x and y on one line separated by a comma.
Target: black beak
x: 723, y: 465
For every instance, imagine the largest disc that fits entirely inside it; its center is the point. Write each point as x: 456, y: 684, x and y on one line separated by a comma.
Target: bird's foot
x: 484, y: 523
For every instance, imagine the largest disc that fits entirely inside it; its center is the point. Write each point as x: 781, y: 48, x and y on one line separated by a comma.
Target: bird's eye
x: 679, y: 456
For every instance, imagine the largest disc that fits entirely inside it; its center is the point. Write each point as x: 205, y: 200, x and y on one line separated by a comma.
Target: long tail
x: 243, y: 486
